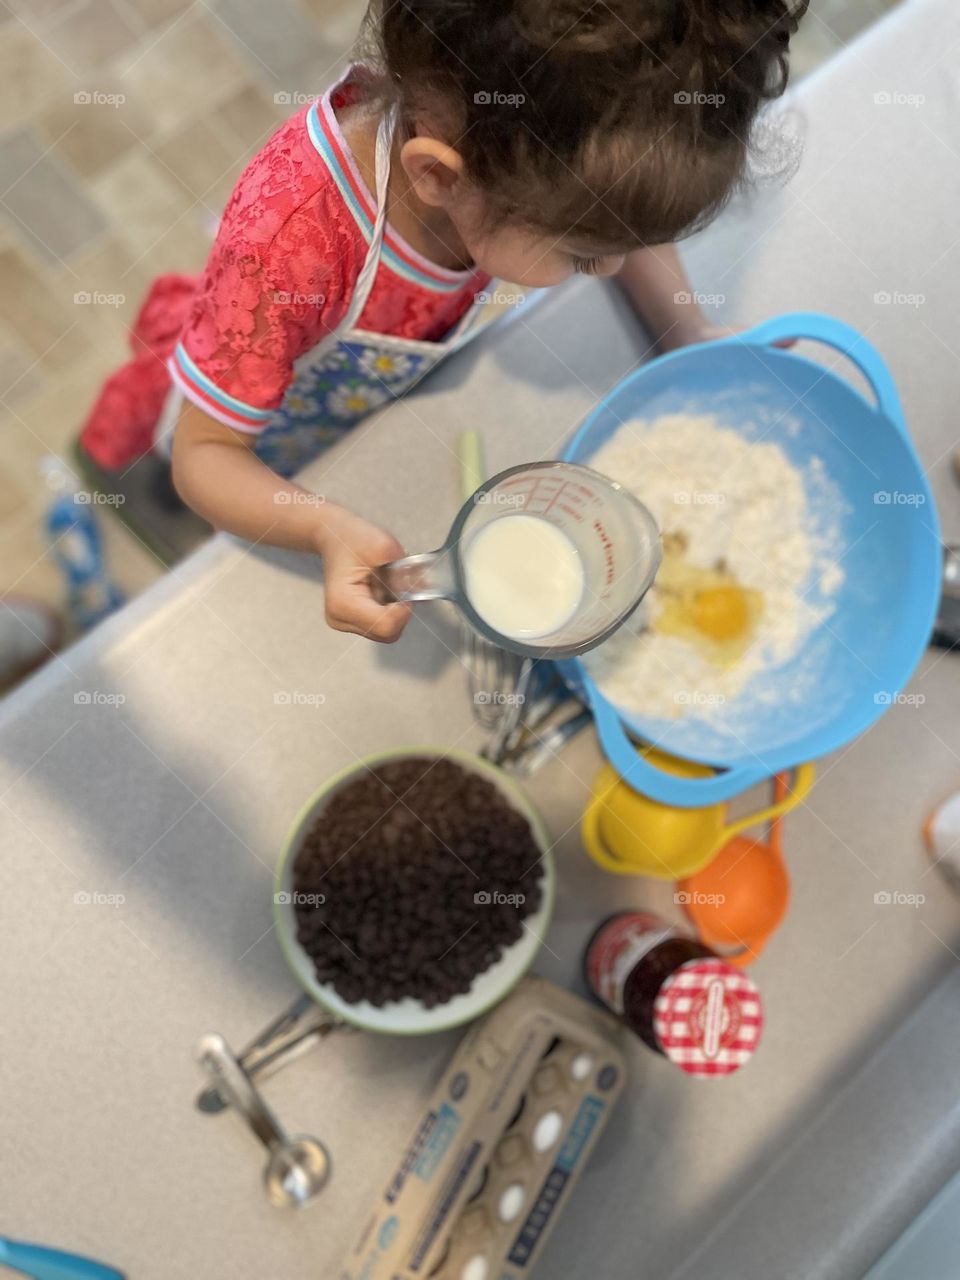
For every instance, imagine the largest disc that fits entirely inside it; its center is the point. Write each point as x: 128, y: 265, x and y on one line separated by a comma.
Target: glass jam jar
x: 683, y: 1001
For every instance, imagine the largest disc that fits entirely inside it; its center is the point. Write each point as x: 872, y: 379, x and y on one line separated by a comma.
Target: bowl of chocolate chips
x: 414, y: 890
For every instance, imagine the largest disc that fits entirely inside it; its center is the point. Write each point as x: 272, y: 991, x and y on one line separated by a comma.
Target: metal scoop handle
x: 234, y: 1084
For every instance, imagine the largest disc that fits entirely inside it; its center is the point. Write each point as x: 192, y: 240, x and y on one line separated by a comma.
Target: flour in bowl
x: 730, y: 505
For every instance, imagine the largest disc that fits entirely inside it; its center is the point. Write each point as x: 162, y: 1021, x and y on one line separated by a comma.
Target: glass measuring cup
x: 616, y: 539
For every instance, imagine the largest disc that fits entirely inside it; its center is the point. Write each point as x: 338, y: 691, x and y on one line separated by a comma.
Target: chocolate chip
x: 426, y: 872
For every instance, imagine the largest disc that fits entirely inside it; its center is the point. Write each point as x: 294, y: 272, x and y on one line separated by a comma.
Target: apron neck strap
x: 368, y: 272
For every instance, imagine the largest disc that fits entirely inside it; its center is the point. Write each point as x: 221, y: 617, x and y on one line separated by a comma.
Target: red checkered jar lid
x: 708, y: 1017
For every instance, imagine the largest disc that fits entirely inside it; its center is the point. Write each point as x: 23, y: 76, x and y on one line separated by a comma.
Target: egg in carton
x: 500, y: 1145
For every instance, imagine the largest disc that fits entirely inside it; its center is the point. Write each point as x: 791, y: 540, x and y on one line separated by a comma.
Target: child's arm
x: 655, y: 282
x: 218, y: 475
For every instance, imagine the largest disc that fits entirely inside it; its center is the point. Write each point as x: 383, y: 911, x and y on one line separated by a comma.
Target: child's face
x: 519, y: 254
x: 508, y: 251
x: 537, y: 261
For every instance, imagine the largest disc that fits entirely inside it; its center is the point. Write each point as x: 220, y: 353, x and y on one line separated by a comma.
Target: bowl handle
x: 652, y: 781
x: 843, y: 338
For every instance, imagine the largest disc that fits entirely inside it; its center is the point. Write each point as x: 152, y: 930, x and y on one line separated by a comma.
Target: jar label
x: 618, y: 948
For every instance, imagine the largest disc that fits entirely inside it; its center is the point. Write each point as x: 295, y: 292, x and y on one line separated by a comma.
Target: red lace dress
x: 291, y: 243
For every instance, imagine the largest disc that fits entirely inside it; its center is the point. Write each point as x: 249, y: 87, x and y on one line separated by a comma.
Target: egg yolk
x: 722, y: 613
x: 706, y: 607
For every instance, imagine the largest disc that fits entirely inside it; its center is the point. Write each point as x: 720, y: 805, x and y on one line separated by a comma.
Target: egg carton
x: 500, y: 1145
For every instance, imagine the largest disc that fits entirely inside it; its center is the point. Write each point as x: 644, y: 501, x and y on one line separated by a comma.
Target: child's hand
x: 351, y: 547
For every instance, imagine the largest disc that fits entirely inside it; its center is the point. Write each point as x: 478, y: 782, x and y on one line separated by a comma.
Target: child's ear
x: 434, y: 169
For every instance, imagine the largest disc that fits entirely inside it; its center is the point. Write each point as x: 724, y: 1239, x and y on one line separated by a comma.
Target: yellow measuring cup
x: 632, y: 835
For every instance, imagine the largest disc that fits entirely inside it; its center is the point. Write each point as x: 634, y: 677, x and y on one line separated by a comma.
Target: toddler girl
x: 521, y: 139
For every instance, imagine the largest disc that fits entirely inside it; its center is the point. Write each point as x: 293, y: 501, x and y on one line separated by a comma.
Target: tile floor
x: 123, y: 125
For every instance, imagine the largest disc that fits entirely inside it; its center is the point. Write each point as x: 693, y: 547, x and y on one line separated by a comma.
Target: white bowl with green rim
x: 410, y: 1017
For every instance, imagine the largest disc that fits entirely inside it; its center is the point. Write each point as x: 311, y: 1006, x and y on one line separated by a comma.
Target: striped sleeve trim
x: 196, y: 386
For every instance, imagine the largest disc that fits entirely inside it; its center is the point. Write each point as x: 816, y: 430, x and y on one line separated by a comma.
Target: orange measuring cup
x: 738, y: 901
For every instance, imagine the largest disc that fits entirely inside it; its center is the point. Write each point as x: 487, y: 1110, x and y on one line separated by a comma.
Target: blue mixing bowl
x: 853, y: 664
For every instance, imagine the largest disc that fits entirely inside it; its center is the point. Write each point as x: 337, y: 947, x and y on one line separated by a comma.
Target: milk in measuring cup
x: 524, y: 576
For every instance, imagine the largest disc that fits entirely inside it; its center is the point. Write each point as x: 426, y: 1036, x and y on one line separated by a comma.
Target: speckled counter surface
x: 177, y: 798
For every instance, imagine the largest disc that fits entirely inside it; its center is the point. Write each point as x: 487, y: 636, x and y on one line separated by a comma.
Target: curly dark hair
x: 616, y: 122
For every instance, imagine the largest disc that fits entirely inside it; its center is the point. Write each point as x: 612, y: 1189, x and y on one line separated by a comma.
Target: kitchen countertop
x: 164, y: 796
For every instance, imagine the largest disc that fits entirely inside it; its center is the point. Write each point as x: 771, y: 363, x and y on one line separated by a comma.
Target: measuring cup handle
x: 426, y: 576
x: 841, y: 337
x: 635, y: 769
x: 803, y: 779
x: 593, y: 840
